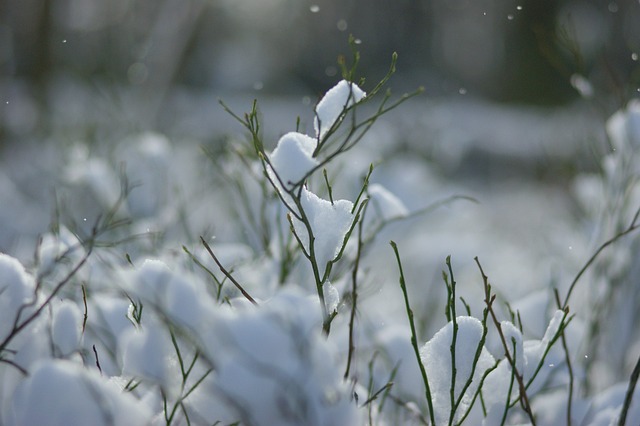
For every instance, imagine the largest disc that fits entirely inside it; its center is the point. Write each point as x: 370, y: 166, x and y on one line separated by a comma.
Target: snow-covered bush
x: 143, y: 317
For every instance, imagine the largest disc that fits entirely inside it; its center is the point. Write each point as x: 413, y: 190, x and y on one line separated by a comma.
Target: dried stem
x: 524, y: 399
x: 226, y: 273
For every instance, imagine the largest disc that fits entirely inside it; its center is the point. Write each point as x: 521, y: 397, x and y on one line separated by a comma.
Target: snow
x: 146, y: 160
x: 293, y: 158
x: 180, y: 294
x: 95, y: 173
x: 67, y: 327
x: 513, y: 337
x: 146, y: 353
x: 275, y: 369
x: 62, y: 393
x: 436, y: 357
x: 271, y: 364
x: 331, y: 107
x: 331, y: 296
x: 329, y: 225
x: 16, y: 289
x: 495, y: 389
x: 386, y: 204
x: 623, y: 127
x: 58, y: 253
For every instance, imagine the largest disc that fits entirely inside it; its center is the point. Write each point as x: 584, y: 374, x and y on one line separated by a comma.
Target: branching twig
x: 632, y: 227
x: 226, y: 273
x: 524, y: 399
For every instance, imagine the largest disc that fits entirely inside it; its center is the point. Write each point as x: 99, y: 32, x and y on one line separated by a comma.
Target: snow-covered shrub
x: 143, y: 316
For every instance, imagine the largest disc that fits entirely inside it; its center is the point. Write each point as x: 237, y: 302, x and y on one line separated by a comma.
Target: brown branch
x: 227, y: 274
x: 524, y: 399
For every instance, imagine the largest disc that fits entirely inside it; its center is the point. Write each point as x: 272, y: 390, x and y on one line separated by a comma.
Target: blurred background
x: 536, y: 52
x: 515, y: 90
x: 517, y: 94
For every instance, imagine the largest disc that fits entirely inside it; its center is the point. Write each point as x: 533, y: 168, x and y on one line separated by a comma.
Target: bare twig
x: 524, y: 399
x: 95, y: 352
x: 226, y: 273
x: 354, y: 295
x: 569, y: 365
x: 632, y: 227
x: 414, y: 337
x: 86, y: 311
x: 633, y: 381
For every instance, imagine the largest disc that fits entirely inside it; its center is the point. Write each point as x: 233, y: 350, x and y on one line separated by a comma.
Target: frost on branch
x: 436, y: 356
x: 329, y: 225
x: 333, y: 104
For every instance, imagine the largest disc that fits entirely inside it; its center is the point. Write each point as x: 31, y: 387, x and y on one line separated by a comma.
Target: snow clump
x: 436, y: 356
x: 292, y: 159
x: 331, y: 107
x: 329, y: 222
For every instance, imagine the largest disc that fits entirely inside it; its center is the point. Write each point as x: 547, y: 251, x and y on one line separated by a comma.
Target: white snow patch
x: 145, y: 353
x: 496, y: 385
x: 623, y: 127
x: 277, y: 368
x: 331, y: 297
x: 329, y: 225
x: 513, y: 337
x: 16, y: 289
x: 334, y: 103
x: 66, y: 327
x: 293, y: 158
x: 62, y: 393
x: 386, y: 204
x: 436, y: 357
x: 95, y: 173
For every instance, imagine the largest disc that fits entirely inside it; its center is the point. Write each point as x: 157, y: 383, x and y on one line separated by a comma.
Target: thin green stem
x: 414, y: 338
